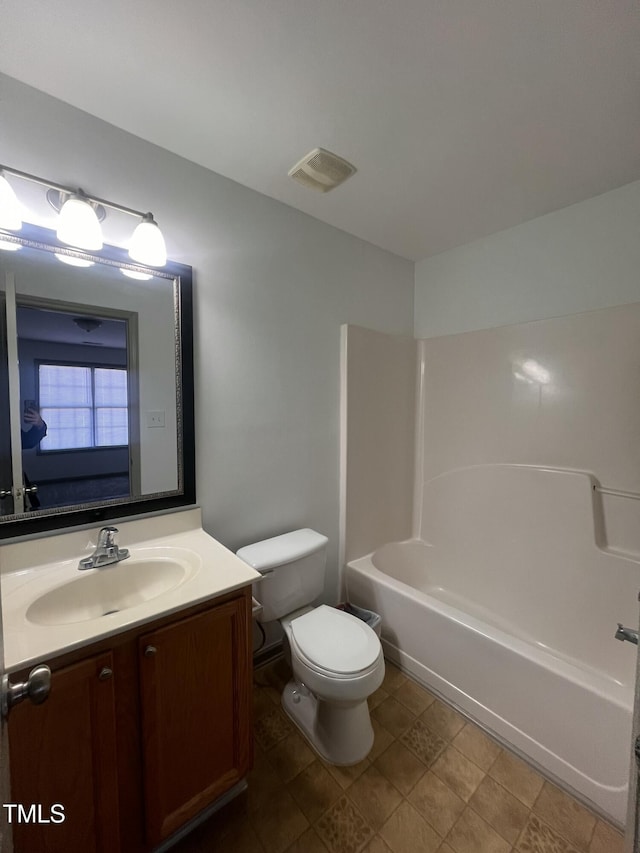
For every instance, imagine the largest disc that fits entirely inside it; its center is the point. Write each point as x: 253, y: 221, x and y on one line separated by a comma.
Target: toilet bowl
x: 336, y: 658
x: 337, y: 664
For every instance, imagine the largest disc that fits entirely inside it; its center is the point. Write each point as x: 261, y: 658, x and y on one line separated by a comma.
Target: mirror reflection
x: 89, y: 393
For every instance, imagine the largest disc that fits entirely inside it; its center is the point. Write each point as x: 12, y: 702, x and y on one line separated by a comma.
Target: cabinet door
x: 64, y: 752
x: 195, y: 690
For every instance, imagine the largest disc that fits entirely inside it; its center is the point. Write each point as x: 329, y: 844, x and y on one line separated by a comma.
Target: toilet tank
x: 292, y: 568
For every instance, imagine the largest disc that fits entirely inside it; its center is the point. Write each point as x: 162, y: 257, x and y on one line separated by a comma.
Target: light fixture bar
x: 80, y: 216
x: 70, y: 191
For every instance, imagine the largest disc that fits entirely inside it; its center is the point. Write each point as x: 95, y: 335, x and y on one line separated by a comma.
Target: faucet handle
x: 107, y: 537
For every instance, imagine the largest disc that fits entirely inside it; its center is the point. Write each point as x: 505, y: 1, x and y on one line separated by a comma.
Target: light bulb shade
x: 73, y: 261
x: 138, y: 276
x: 147, y: 244
x: 10, y: 216
x: 78, y: 225
x: 6, y: 246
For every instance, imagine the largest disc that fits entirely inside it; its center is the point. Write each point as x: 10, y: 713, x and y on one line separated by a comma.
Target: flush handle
x: 36, y: 688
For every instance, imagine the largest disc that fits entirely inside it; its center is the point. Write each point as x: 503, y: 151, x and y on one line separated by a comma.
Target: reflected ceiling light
x: 531, y: 371
x: 139, y: 276
x: 147, y: 244
x: 87, y: 324
x: 73, y: 261
x: 10, y: 215
x: 6, y: 246
x: 534, y: 370
x: 79, y: 222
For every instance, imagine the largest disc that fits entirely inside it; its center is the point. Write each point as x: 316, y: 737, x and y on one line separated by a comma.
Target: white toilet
x: 336, y: 658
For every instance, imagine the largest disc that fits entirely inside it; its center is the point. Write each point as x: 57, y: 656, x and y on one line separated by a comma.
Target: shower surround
x: 523, y: 551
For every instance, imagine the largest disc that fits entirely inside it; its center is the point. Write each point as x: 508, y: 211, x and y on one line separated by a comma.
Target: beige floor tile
x: 309, y: 842
x: 562, y: 813
x: 443, y: 720
x: 460, y: 774
x: 377, y: 845
x: 537, y: 837
x: 606, y: 839
x: 374, y: 796
x: 423, y: 742
x: 474, y: 743
x: 396, y: 718
x: 393, y: 678
x: 376, y: 698
x: 506, y: 814
x: 242, y: 840
x: 268, y: 684
x: 279, y: 822
x: 381, y: 739
x: 343, y: 829
x: 271, y: 728
x: 314, y: 790
x: 262, y: 701
x: 400, y: 766
x: 346, y: 776
x: 263, y: 782
x: 290, y: 757
x: 277, y: 674
x: 406, y: 831
x: 414, y: 697
x: 437, y: 803
x: 517, y: 777
x: 472, y: 834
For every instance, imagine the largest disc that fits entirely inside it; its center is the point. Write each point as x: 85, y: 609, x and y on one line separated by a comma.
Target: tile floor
x: 433, y: 783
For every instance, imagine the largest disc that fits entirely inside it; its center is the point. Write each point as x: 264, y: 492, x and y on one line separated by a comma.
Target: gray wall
x: 580, y: 258
x: 272, y: 287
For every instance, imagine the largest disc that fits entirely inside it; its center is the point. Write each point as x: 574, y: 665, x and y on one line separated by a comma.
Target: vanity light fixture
x: 147, y: 244
x: 79, y: 222
x: 139, y: 276
x: 10, y: 217
x: 73, y: 261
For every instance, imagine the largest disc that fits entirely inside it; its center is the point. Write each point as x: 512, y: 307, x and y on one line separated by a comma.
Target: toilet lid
x: 335, y: 641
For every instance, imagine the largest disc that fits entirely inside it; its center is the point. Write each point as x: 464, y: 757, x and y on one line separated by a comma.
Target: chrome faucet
x: 106, y: 553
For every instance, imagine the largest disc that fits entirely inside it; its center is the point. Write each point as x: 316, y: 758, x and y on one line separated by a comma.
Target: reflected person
x: 33, y: 436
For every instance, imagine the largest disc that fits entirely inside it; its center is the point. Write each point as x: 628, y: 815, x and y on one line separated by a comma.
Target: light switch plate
x: 155, y: 419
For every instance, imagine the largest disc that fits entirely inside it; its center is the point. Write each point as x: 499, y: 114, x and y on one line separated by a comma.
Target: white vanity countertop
x: 212, y: 571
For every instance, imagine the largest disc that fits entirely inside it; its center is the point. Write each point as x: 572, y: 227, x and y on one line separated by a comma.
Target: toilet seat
x: 334, y: 643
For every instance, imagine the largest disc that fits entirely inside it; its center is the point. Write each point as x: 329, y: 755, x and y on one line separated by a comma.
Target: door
x: 63, y: 758
x: 195, y: 693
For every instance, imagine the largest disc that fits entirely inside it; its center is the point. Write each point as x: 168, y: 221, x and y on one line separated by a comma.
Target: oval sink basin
x: 108, y: 590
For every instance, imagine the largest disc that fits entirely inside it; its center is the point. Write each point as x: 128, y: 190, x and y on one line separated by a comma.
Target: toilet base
x: 341, y: 734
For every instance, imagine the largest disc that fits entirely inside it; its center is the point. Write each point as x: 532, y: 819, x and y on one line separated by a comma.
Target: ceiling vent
x: 321, y: 170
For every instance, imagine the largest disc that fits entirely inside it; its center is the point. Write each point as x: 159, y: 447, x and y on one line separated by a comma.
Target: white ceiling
x: 463, y: 117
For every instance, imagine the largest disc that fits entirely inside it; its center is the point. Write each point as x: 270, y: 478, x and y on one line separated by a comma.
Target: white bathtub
x: 568, y: 714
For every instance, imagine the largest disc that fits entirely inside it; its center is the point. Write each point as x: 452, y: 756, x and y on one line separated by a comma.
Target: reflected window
x: 84, y: 406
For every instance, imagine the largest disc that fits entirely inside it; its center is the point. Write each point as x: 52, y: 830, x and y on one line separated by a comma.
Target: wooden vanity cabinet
x: 64, y: 752
x: 195, y: 689
x: 140, y: 733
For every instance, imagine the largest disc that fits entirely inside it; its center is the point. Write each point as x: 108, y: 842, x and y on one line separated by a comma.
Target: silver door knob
x: 36, y: 688
x: 150, y: 651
